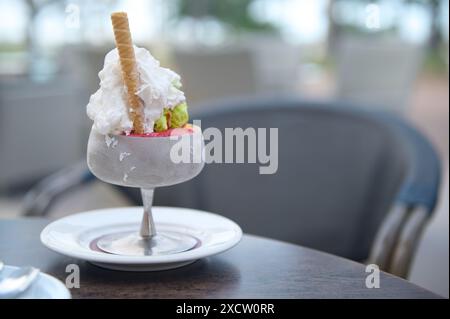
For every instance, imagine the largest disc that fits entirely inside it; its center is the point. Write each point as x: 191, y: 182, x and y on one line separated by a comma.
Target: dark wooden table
x: 256, y: 268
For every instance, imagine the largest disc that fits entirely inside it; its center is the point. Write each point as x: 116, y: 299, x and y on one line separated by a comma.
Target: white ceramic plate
x: 75, y: 236
x: 44, y: 287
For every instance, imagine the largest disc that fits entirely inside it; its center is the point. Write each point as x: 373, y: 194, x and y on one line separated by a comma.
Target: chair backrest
x: 282, y: 76
x: 339, y: 172
x: 31, y: 113
x: 377, y: 70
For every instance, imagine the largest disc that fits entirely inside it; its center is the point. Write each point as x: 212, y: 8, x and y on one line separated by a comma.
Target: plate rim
x: 141, y: 260
x: 64, y: 292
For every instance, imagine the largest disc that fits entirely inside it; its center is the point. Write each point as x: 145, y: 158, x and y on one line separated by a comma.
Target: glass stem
x: 147, y: 225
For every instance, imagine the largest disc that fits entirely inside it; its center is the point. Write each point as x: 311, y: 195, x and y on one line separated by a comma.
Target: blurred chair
x: 357, y: 184
x: 41, y: 129
x: 209, y: 74
x: 277, y: 62
x: 378, y: 71
x: 82, y: 65
x: 39, y: 199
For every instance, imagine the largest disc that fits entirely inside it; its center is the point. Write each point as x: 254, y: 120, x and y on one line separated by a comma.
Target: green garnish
x: 179, y: 116
x: 161, y: 124
x: 175, y: 118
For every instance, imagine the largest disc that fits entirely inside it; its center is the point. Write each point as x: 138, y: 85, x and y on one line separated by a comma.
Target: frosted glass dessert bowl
x: 143, y: 161
x: 146, y: 162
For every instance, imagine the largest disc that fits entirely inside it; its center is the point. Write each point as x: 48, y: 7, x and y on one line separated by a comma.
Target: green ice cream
x: 179, y: 116
x: 175, y: 118
x: 161, y: 124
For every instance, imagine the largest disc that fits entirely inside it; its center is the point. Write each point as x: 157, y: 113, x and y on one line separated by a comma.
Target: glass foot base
x: 131, y: 244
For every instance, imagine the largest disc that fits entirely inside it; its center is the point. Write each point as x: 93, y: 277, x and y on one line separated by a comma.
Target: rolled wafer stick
x: 129, y: 70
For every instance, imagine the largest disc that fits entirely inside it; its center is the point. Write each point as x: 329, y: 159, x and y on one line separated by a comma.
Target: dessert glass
x: 146, y: 162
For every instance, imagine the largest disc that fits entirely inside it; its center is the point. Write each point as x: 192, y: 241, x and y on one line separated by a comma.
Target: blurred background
x: 52, y: 50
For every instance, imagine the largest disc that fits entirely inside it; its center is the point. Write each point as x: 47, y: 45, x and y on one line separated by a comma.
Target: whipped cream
x: 158, y: 88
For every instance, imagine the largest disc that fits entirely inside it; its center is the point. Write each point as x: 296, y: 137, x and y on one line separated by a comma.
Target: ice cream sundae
x: 139, y: 114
